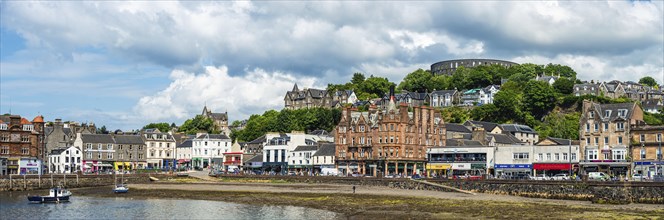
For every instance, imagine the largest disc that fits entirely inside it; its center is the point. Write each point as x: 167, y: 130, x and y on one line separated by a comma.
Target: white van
x: 598, y: 176
x: 329, y: 172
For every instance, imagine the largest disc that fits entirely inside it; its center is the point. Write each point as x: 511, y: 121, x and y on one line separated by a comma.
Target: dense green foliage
x: 306, y: 120
x: 649, y: 81
x: 653, y: 119
x: 163, y: 127
x: 198, y: 124
x: 560, y: 125
x: 365, y: 88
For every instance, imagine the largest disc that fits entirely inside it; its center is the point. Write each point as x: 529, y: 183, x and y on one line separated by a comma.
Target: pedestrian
x: 353, y: 189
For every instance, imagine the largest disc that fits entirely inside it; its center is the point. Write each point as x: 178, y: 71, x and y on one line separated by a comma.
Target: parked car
x: 560, y: 176
x: 638, y: 177
x: 389, y: 176
x: 521, y: 176
x: 658, y: 178
x: 416, y: 177
x: 215, y: 172
x: 540, y: 177
x: 598, y: 176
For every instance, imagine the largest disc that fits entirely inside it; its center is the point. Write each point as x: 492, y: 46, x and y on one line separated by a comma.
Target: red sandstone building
x: 387, y: 142
x: 21, y: 144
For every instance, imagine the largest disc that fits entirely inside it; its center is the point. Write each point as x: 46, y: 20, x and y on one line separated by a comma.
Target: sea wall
x: 597, y: 192
x: 32, y: 182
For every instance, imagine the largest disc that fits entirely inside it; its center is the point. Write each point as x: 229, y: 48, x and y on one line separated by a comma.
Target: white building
x: 513, y: 160
x: 278, y: 149
x: 160, y: 148
x: 323, y: 159
x: 301, y: 159
x: 554, y: 159
x: 443, y: 98
x: 471, y: 159
x: 183, y: 154
x: 207, y: 150
x: 487, y: 94
x: 65, y: 160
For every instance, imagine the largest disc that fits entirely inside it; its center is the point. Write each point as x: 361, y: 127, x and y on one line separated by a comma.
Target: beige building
x: 220, y: 120
x: 647, y: 149
x: 160, y: 149
x: 604, y: 134
x: 317, y: 98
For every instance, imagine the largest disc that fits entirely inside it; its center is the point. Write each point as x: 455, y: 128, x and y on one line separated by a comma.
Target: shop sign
x: 373, y: 165
x: 438, y: 166
x: 461, y: 166
x: 512, y: 166
x: 478, y: 166
x: 552, y: 166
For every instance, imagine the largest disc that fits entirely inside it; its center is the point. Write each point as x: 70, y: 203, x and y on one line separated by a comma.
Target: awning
x: 552, y: 166
x: 438, y: 166
x: 184, y: 160
x: 102, y: 165
x: 86, y: 166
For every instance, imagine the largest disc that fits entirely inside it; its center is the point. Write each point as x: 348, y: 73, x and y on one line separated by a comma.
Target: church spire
x: 295, y: 89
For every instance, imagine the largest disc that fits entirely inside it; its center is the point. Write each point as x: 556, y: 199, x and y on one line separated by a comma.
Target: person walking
x: 353, y: 189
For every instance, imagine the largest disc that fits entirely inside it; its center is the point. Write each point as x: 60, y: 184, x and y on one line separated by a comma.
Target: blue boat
x: 120, y: 189
x: 55, y: 195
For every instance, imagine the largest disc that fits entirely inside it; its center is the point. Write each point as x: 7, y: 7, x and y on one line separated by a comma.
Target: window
x: 25, y: 151
x: 587, y: 141
x: 120, y: 147
x: 99, y: 155
x: 362, y: 128
x: 620, y: 126
x: 596, y: 126
x: 606, y: 141
x: 25, y: 138
x: 557, y: 156
x: 565, y: 156
x: 659, y: 137
x: 591, y: 154
x: 140, y: 156
x: 109, y: 156
x: 607, y: 113
x: 596, y: 141
x: 518, y: 156
x: 89, y: 146
x: 643, y: 153
x: 619, y: 154
x: 89, y: 155
x: 548, y: 156
x: 643, y: 138
x: 622, y: 112
x: 540, y: 157
x: 587, y: 127
x: 4, y: 150
x: 659, y: 154
x: 573, y: 156
x: 98, y: 146
x: 591, y: 115
x: 109, y: 147
x: 620, y: 140
x: 66, y: 159
x: 606, y: 126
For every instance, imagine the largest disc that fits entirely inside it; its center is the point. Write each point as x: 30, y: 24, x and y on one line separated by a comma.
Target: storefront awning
x: 438, y: 166
x: 552, y: 166
x: 184, y: 160
x: 102, y: 165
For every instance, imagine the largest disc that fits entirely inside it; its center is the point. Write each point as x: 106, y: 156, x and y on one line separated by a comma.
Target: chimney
x: 479, y: 134
x: 392, y: 93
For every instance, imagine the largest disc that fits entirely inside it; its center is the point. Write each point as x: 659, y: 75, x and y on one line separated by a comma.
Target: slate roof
x: 256, y: 158
x: 258, y: 140
x: 461, y: 142
x: 186, y: 143
x: 128, y: 139
x: 326, y: 150
x: 219, y: 116
x: 600, y: 109
x: 443, y: 92
x: 560, y: 141
x: 457, y: 128
x: 488, y: 88
x: 488, y: 126
x: 57, y: 151
x: 319, y: 132
x: 213, y: 136
x: 517, y: 128
x: 547, y: 78
x: 504, y: 138
x: 306, y: 148
x: 97, y: 138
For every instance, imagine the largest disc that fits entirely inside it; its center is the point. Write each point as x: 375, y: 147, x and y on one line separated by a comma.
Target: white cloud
x: 243, y: 95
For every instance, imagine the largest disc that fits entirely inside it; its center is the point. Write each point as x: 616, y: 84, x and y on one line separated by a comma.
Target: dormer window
x: 591, y: 114
x: 607, y: 113
x: 622, y: 112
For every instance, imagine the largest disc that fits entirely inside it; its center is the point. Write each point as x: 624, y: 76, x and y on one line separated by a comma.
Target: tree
x: 508, y: 104
x: 564, y: 86
x: 102, y: 130
x: 163, y: 127
x: 455, y: 114
x: 559, y: 70
x: 649, y: 81
x: 287, y: 120
x: 538, y: 98
x: 559, y: 125
x: 416, y: 81
x: 487, y: 112
x: 460, y: 78
x: 198, y: 124
x: 439, y: 82
x: 358, y: 78
x: 373, y: 87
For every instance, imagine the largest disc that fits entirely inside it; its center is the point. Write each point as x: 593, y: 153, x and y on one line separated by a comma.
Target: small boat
x: 153, y: 179
x: 56, y: 195
x: 120, y: 188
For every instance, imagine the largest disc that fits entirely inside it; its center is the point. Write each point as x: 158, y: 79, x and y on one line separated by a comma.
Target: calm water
x: 15, y: 206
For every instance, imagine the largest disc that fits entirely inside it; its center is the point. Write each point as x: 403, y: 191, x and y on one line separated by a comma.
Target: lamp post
x: 570, y: 158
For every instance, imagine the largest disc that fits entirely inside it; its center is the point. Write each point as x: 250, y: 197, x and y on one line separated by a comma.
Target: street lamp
x: 570, y: 158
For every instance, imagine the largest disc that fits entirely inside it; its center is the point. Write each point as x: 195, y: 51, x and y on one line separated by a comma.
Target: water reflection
x: 16, y: 206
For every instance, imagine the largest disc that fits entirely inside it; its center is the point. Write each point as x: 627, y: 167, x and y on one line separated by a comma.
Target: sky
x: 126, y: 64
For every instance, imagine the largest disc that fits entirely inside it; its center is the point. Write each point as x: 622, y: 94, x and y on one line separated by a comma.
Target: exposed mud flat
x: 365, y: 205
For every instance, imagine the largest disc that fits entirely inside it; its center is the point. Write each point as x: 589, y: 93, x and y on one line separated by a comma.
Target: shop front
x: 648, y: 168
x: 197, y: 162
x: 610, y: 167
x: 154, y: 163
x: 511, y: 170
x: 275, y: 167
x: 12, y: 165
x: 29, y: 166
x: 122, y: 166
x: 168, y: 164
x: 550, y: 169
x: 436, y: 170
x: 184, y: 164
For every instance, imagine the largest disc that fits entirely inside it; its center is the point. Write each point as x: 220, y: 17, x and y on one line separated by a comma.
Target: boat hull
x: 121, y: 190
x: 48, y: 199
